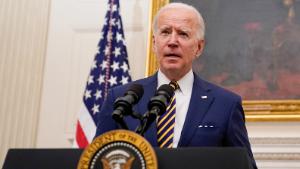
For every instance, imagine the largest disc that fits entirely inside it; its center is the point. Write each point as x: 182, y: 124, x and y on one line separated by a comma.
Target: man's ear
x: 201, y: 44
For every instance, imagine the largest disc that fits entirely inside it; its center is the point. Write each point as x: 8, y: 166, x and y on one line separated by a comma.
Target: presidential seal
x: 118, y: 149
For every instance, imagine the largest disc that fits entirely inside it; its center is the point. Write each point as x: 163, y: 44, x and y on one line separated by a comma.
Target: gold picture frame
x: 255, y: 110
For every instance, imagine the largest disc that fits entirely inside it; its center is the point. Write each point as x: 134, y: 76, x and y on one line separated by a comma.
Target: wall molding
x: 275, y: 141
x: 277, y: 156
x: 276, y: 148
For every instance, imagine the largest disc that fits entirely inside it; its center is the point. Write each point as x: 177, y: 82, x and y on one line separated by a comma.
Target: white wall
x: 23, y: 33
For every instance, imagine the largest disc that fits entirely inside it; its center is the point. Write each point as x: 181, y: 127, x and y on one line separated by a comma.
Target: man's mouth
x: 172, y: 55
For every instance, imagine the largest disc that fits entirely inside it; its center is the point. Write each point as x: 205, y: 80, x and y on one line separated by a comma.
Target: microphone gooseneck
x: 157, y: 106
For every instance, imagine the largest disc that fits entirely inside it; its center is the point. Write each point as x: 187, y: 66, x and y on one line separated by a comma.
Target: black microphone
x: 157, y: 105
x: 123, y: 105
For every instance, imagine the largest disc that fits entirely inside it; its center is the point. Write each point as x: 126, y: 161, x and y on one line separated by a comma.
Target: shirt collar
x: 185, y: 83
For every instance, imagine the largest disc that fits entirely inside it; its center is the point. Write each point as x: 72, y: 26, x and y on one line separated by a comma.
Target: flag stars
x: 101, y: 80
x: 114, y: 8
x: 87, y: 94
x: 108, y: 6
x: 119, y: 37
x: 124, y: 80
x: 113, y: 22
x: 112, y: 80
x: 98, y: 94
x: 101, y: 35
x: 106, y: 70
x: 118, y: 23
x: 124, y: 67
x: 98, y: 50
x: 124, y: 42
x: 115, y: 66
x: 117, y: 51
x: 104, y: 65
x: 95, y: 109
x: 90, y: 80
x: 94, y: 65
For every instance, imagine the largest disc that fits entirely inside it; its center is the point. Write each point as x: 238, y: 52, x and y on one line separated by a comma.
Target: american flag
x: 110, y: 68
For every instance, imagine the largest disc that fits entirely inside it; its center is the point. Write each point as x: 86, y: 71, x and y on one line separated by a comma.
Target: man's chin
x: 171, y: 69
x: 171, y: 65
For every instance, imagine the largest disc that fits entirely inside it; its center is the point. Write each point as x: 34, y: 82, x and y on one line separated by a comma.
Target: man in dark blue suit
x: 206, y: 115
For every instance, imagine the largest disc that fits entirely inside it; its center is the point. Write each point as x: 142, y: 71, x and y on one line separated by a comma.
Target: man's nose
x: 173, y: 41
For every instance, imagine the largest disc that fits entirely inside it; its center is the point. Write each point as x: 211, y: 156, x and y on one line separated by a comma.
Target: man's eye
x: 165, y: 32
x: 183, y: 34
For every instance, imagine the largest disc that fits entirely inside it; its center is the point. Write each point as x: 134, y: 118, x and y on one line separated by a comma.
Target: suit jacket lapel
x: 199, y: 104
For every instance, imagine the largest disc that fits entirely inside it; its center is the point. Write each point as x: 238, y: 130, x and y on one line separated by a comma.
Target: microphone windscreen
x: 137, y: 89
x: 166, y: 88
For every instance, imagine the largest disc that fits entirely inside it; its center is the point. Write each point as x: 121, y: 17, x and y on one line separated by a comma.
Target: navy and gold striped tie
x: 166, y: 122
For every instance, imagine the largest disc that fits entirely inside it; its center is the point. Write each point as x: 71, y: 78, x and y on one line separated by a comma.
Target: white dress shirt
x: 183, y: 97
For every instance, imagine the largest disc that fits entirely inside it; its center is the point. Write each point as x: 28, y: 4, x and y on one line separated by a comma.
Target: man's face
x: 175, y: 42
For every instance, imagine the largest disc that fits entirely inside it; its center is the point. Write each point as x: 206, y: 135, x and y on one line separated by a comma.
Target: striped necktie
x: 166, y: 122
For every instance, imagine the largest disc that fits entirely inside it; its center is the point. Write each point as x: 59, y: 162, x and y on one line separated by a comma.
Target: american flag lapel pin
x: 203, y: 97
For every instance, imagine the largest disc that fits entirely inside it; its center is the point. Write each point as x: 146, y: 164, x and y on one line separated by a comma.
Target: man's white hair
x: 176, y: 5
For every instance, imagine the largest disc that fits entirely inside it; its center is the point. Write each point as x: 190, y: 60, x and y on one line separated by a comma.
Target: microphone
x: 157, y: 105
x: 123, y: 105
